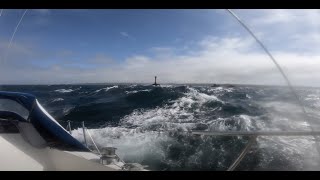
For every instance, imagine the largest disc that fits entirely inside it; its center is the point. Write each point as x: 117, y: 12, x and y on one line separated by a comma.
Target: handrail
x: 252, y: 134
x: 258, y: 133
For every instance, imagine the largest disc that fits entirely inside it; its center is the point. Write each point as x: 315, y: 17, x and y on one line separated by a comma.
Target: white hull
x: 18, y: 155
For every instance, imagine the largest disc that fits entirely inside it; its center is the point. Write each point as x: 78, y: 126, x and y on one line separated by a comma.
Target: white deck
x: 17, y: 154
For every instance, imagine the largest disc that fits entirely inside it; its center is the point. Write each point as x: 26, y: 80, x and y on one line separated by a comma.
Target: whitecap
x: 63, y: 90
x: 57, y: 99
x: 106, y: 89
x: 135, y: 91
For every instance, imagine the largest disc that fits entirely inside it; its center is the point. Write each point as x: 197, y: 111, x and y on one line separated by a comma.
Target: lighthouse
x: 155, y: 82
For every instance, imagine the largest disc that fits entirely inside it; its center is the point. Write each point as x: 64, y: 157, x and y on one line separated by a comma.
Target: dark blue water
x: 149, y: 124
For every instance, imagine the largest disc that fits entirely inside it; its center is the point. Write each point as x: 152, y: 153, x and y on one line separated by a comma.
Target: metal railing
x: 84, y: 132
x: 251, y: 134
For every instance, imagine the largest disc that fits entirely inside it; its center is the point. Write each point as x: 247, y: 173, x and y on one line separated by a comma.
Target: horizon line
x: 198, y: 83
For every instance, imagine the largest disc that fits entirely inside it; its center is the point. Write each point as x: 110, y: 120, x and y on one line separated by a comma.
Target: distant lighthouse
x: 155, y: 82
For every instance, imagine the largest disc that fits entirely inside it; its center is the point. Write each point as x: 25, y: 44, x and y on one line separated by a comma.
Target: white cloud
x: 291, y: 35
x: 101, y: 59
x: 267, y: 17
x: 42, y: 11
x: 284, y: 29
x: 17, y: 53
x: 124, y: 34
x: 127, y: 35
x: 220, y: 60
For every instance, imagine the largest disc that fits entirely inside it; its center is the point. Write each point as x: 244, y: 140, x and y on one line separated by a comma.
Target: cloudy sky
x: 179, y: 46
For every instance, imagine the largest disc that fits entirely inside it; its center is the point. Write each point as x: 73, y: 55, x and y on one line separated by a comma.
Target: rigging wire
x: 14, y: 32
x: 282, y: 73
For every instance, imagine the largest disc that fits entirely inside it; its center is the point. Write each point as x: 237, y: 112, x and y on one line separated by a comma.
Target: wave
x: 133, y: 85
x: 166, y: 86
x: 64, y: 90
x: 131, y: 144
x: 136, y: 91
x: 150, y: 134
x: 67, y: 110
x: 312, y: 97
x: 106, y: 89
x: 221, y: 89
x: 175, y: 149
x: 57, y: 99
x: 151, y: 126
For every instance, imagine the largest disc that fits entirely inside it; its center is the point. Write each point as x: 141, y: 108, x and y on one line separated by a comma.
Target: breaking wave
x: 57, y: 99
x: 106, y: 89
x: 63, y: 90
x: 159, y: 136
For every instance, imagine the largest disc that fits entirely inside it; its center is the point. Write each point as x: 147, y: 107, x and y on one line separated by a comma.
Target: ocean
x: 151, y: 125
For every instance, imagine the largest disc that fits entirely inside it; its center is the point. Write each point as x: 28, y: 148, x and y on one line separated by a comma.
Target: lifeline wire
x: 281, y: 71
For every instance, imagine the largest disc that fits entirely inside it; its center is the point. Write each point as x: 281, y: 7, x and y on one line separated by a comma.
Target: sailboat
x: 33, y: 140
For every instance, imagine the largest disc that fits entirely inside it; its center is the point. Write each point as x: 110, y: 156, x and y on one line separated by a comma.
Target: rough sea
x: 151, y: 125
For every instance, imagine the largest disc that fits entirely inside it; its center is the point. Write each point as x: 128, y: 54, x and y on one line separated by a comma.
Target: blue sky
x: 180, y: 46
x: 116, y: 33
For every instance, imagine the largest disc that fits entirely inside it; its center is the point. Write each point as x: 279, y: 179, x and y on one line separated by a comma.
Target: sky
x: 179, y: 46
